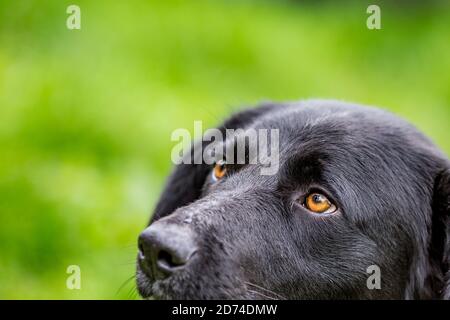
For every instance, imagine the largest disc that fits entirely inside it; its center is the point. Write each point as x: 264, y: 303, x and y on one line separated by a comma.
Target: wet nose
x: 165, y: 248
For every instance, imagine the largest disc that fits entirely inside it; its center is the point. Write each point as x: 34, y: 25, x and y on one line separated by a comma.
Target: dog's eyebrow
x: 302, y: 168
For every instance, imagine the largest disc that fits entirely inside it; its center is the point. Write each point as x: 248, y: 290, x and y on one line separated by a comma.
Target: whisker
x: 261, y: 294
x: 127, y: 281
x: 129, y: 263
x: 132, y: 294
x: 267, y: 290
x: 129, y: 246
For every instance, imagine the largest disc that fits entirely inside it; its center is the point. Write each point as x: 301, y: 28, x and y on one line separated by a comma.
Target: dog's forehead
x: 326, y: 123
x: 337, y: 133
x: 294, y: 120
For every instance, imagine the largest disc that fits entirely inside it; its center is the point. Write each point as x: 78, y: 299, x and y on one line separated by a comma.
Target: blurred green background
x: 86, y: 115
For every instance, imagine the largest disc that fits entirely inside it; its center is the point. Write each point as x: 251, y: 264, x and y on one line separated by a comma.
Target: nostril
x: 166, y: 259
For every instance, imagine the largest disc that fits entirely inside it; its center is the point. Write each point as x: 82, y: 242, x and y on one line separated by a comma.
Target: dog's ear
x: 440, y: 237
x: 186, y: 181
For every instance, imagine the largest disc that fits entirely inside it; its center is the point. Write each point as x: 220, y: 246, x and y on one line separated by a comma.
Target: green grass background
x: 86, y: 116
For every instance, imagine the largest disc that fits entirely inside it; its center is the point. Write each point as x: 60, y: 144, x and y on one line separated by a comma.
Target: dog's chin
x: 180, y: 288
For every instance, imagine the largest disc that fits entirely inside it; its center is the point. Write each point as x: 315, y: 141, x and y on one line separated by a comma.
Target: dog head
x: 358, y: 193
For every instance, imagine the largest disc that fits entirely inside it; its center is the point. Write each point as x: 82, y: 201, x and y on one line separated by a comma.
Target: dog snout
x: 165, y: 248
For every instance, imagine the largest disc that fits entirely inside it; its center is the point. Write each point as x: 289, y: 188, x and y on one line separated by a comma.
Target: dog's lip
x: 151, y: 289
x: 143, y: 267
x: 144, y: 284
x: 147, y: 285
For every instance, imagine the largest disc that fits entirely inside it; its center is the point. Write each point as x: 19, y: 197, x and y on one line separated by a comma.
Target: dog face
x: 356, y: 188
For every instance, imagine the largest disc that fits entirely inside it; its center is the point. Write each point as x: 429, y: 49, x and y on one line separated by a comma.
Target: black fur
x: 391, y: 186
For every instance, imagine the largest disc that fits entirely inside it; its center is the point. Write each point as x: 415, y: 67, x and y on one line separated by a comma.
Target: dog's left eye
x: 319, y: 203
x: 219, y: 170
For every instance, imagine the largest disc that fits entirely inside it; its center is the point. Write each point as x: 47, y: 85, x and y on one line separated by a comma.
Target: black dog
x: 356, y: 187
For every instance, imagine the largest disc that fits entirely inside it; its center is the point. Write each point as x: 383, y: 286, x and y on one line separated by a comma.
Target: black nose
x: 165, y: 248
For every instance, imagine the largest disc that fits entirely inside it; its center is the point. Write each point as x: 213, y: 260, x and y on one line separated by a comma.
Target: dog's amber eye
x: 318, y: 203
x: 219, y: 170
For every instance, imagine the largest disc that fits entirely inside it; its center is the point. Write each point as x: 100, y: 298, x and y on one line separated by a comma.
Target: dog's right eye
x: 319, y: 203
x: 219, y: 170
